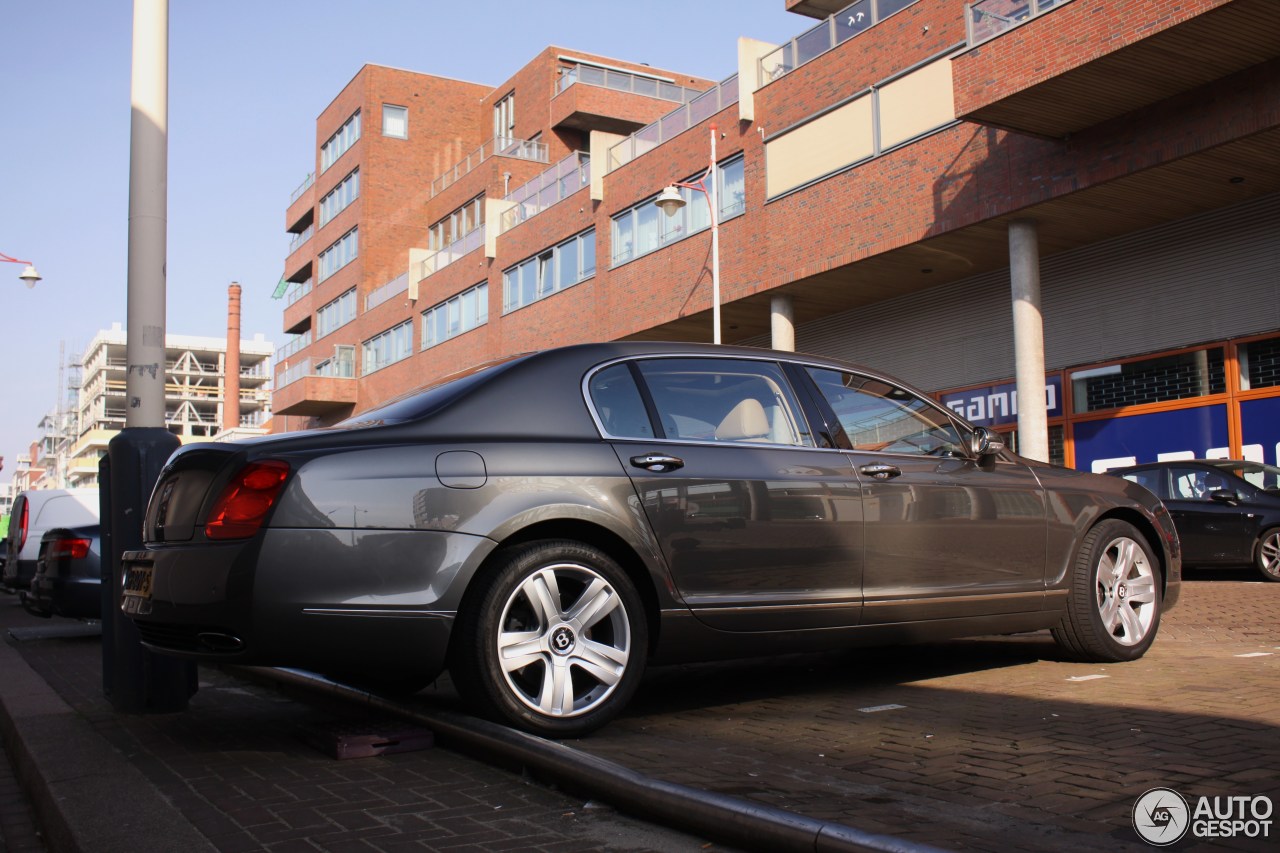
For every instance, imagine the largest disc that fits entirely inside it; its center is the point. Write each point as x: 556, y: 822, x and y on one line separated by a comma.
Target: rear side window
x: 1152, y: 480
x: 725, y: 400
x: 618, y: 403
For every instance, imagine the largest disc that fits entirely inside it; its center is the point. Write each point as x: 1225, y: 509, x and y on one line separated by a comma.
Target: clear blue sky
x: 247, y: 79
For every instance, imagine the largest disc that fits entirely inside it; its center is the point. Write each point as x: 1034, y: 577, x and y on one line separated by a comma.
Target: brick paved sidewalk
x: 236, y: 769
x: 992, y: 744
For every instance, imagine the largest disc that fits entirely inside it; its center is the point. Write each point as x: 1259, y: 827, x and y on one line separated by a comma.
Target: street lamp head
x: 670, y: 200
x: 30, y: 276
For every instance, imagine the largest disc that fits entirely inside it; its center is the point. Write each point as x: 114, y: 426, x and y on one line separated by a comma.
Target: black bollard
x: 135, y: 680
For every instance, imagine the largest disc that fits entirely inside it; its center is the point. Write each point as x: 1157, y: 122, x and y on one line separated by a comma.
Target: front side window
x: 724, y: 400
x: 876, y: 416
x: 395, y: 121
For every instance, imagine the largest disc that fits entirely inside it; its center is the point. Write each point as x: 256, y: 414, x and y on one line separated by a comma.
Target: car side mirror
x: 984, y: 442
x: 1224, y: 496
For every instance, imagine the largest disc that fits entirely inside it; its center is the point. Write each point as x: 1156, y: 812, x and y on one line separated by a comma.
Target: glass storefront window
x: 1155, y: 380
x: 1259, y: 364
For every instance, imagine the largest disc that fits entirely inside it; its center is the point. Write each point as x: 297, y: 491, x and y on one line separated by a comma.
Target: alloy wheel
x: 1126, y: 591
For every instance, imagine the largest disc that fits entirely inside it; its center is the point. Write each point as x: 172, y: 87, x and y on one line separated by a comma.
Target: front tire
x: 1114, y: 601
x: 556, y: 642
x: 1266, y: 556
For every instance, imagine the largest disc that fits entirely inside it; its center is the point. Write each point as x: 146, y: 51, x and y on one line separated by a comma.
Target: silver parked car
x: 547, y: 526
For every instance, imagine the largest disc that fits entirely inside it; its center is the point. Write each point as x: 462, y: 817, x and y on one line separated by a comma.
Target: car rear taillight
x: 22, y: 525
x: 246, y: 500
x: 76, y: 549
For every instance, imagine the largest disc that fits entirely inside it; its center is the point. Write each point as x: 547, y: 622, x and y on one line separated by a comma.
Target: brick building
x: 891, y: 179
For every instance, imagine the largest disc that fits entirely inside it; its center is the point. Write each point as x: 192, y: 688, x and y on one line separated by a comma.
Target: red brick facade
x: 960, y: 183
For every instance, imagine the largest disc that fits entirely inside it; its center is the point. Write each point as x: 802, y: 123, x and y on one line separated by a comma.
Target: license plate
x: 136, y: 596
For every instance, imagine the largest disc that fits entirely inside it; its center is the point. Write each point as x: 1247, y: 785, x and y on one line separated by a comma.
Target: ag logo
x: 1161, y: 817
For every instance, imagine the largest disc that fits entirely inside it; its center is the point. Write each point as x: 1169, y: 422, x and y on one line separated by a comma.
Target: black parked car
x: 1227, y: 512
x: 67, y: 580
x: 548, y: 525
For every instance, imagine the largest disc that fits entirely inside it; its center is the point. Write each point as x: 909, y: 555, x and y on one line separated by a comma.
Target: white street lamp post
x: 670, y: 201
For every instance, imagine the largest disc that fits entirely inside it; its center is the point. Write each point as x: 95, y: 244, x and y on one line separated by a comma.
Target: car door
x: 1212, y: 531
x: 946, y: 535
x: 760, y: 528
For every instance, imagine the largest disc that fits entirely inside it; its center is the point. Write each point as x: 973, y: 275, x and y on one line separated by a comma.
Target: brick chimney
x: 231, y: 384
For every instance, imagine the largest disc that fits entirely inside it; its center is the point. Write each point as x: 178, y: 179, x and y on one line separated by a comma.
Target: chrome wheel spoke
x: 1132, y: 623
x: 595, y: 603
x: 518, y: 649
x: 1271, y: 553
x: 1142, y: 590
x: 1125, y: 558
x: 556, y: 696
x: 606, y: 663
x: 543, y: 590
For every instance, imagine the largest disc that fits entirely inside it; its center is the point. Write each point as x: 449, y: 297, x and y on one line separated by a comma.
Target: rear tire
x: 1267, y: 554
x: 556, y: 642
x: 1114, y: 601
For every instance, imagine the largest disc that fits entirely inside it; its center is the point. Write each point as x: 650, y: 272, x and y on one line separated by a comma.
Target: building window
x: 335, y: 146
x: 644, y: 228
x: 548, y: 272
x: 457, y: 225
x: 337, y: 313
x: 343, y: 251
x: 340, y: 196
x: 1200, y: 373
x: 451, y: 318
x: 342, y: 363
x: 504, y: 117
x: 395, y: 121
x: 395, y: 344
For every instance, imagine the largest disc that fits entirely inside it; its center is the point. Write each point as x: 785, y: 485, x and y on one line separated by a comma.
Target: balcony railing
x: 299, y: 342
x: 836, y: 29
x: 337, y: 368
x: 623, y: 81
x: 302, y: 187
x: 560, y: 181
x: 987, y: 19
x: 299, y: 239
x: 452, y: 252
x: 296, y: 293
x: 499, y: 146
x: 673, y: 123
x: 380, y: 295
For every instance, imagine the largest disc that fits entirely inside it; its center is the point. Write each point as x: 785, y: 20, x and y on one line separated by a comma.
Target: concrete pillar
x: 1028, y: 339
x: 783, y: 322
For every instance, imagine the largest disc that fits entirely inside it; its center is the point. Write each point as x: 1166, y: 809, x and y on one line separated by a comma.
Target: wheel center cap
x: 1121, y: 590
x: 562, y: 640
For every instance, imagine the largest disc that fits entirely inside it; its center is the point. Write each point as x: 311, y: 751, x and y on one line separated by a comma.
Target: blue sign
x: 1199, y: 433
x: 997, y: 405
x: 1260, y: 430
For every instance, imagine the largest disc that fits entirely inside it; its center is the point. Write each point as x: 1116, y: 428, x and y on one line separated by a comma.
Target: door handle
x: 657, y: 462
x: 881, y: 472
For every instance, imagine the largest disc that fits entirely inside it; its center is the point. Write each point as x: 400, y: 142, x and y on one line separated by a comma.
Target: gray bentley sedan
x: 546, y: 526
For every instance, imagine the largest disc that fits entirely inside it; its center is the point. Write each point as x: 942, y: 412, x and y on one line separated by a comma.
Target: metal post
x: 134, y: 679
x: 715, y: 239
x: 1028, y: 340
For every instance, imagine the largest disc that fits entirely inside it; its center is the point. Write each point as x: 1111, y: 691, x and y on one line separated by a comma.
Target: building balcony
x: 298, y: 307
x: 674, y: 123
x: 559, y: 182
x: 305, y: 388
x: 590, y: 97
x: 302, y: 204
x: 499, y: 146
x: 1101, y: 59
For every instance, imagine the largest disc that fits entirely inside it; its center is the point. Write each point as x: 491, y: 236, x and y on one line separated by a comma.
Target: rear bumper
x: 72, y: 598
x: 379, y: 602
